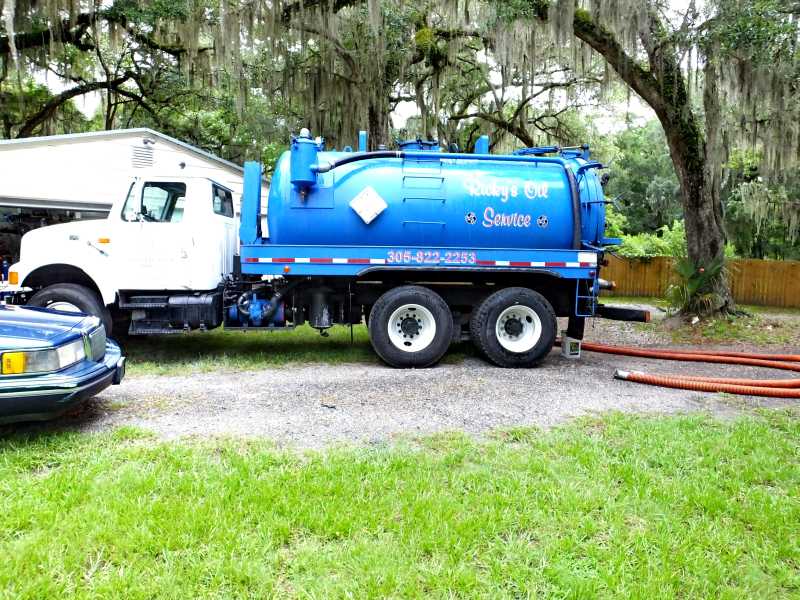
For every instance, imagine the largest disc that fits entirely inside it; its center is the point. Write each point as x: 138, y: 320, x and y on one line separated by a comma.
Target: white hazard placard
x: 368, y: 204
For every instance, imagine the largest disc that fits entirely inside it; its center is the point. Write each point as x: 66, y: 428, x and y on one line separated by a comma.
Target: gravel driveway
x: 311, y: 406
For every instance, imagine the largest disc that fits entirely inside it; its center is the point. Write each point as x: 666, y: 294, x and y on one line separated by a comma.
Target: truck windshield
x: 162, y: 202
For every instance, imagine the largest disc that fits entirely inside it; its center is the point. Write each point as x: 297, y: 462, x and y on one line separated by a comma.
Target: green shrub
x: 693, y: 290
x: 616, y: 223
x: 666, y: 241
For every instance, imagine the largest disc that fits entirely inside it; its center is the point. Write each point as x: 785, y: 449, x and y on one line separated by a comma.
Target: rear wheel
x: 70, y: 297
x: 410, y: 326
x: 514, y: 327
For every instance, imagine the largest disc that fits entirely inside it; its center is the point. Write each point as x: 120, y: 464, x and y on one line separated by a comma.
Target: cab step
x: 149, y: 301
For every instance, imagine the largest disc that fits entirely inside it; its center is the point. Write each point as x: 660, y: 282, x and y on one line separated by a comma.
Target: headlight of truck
x: 43, y: 361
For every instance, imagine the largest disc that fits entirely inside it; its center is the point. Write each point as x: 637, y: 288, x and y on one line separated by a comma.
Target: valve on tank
x: 304, y: 159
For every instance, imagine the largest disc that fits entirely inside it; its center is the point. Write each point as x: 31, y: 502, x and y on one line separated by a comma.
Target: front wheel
x: 70, y: 297
x: 410, y: 326
x: 514, y: 327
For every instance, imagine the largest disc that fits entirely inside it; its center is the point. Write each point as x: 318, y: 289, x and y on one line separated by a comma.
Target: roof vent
x: 142, y: 157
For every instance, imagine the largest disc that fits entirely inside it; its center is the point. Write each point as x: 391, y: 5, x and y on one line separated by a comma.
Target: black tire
x: 390, y: 302
x: 121, y: 323
x: 86, y: 300
x: 367, y: 312
x: 484, y: 321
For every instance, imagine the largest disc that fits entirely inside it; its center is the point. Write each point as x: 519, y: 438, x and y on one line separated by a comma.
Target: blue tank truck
x: 428, y: 247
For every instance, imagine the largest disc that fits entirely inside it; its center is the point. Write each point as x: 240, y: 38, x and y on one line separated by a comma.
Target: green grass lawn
x: 623, y: 507
x: 180, y: 354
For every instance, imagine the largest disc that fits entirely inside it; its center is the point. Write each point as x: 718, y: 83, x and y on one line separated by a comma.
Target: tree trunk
x: 700, y: 195
x: 695, y: 157
x: 705, y: 233
x: 698, y: 166
x: 378, y: 124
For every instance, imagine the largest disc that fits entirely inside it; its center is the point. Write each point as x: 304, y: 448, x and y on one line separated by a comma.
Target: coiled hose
x: 773, y: 388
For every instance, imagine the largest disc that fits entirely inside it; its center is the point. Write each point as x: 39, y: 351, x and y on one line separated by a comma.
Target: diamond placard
x: 368, y: 204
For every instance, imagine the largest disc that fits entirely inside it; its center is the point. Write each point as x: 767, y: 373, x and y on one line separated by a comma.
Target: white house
x: 51, y: 179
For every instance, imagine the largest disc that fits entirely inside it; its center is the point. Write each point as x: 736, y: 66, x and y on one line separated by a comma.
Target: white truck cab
x: 169, y: 234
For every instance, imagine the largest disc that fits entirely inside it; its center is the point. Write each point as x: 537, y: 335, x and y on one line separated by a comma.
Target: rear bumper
x: 42, y: 397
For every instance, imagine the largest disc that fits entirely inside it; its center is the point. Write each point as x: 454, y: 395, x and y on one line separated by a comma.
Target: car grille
x: 97, y: 344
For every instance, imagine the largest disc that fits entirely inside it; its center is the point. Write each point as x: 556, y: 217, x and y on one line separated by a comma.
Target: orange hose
x: 781, y: 357
x: 775, y: 383
x: 774, y: 388
x: 689, y: 356
x: 705, y: 386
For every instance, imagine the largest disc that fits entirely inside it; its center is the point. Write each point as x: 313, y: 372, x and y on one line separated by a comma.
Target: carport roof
x: 114, y: 133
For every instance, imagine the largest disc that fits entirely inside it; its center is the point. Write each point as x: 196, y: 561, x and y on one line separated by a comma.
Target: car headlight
x: 43, y: 361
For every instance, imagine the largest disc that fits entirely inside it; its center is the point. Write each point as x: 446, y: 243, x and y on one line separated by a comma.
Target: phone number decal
x: 431, y: 257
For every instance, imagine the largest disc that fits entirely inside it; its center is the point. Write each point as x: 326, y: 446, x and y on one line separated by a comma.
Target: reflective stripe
x: 382, y: 261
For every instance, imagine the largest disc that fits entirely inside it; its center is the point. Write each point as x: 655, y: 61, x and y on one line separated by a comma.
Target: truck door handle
x: 100, y: 250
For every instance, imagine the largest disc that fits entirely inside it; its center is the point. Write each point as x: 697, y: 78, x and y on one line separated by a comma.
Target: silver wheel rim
x: 64, y: 306
x: 518, y: 328
x: 411, y: 328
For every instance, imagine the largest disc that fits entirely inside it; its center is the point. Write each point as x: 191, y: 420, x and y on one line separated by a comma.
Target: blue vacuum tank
x: 425, y: 197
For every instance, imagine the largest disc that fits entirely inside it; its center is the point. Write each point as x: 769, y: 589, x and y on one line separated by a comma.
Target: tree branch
x: 67, y: 32
x: 630, y: 71
x: 343, y: 52
x: 73, y: 32
x: 55, y: 102
x: 512, y: 128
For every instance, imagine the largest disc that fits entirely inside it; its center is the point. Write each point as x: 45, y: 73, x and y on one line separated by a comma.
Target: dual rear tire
x: 514, y: 327
x: 412, y: 326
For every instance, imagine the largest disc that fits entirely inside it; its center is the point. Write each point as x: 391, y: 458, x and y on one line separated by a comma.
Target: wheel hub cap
x: 513, y: 327
x: 411, y: 328
x: 518, y: 328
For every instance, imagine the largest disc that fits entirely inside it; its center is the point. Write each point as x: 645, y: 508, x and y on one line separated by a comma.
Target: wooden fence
x: 761, y: 282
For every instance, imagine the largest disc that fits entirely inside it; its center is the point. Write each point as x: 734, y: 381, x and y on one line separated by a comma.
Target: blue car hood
x: 23, y: 327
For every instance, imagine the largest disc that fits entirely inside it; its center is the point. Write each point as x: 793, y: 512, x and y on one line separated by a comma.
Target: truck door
x: 221, y: 233
x: 175, y: 235
x: 213, y: 236
x: 152, y: 246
